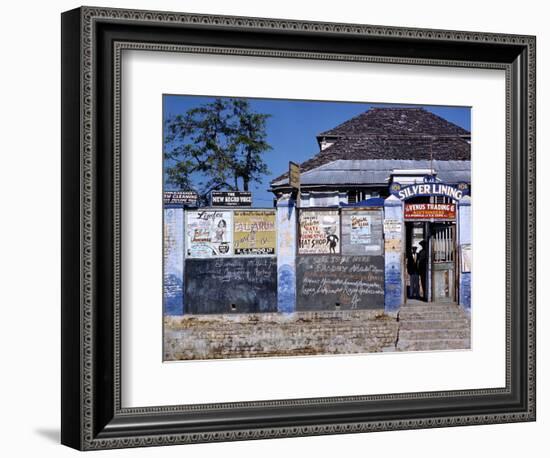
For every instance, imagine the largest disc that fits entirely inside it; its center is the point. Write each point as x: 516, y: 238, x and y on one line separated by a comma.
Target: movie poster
x: 319, y: 232
x: 254, y: 233
x: 208, y: 233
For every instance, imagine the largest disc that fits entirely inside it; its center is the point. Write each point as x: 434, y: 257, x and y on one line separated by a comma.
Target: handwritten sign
x: 319, y: 232
x: 208, y: 233
x: 231, y: 285
x: 329, y: 282
x: 254, y: 232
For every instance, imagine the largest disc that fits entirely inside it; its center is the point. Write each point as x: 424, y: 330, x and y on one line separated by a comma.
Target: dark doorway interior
x: 416, y: 260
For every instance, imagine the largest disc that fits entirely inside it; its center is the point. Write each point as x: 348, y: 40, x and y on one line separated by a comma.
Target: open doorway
x: 416, y: 260
x: 430, y: 257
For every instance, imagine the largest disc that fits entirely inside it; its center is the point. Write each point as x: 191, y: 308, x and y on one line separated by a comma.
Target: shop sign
x: 430, y: 189
x: 231, y: 198
x: 180, y: 198
x: 294, y: 175
x: 430, y: 211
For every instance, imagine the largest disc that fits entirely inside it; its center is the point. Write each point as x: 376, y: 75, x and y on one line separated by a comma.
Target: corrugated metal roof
x: 376, y: 171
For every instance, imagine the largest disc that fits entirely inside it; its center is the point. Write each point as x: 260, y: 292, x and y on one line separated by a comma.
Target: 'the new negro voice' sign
x: 430, y: 211
x: 231, y: 198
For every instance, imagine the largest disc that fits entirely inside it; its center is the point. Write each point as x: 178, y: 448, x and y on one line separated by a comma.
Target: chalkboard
x: 230, y: 285
x: 332, y: 282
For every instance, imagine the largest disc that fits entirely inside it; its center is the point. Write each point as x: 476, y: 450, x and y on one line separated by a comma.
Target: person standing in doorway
x: 422, y: 264
x: 412, y: 270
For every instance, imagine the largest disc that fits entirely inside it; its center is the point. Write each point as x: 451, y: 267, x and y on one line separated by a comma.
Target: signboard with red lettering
x: 429, y: 211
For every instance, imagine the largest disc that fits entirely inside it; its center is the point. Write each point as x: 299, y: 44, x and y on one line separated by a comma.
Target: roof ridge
x: 373, y: 121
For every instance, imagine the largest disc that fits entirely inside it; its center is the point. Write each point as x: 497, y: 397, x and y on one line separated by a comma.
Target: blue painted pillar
x: 394, y: 234
x: 173, y: 253
x: 465, y: 251
x: 286, y: 254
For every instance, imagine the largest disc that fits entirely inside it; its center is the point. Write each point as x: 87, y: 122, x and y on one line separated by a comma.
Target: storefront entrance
x: 430, y: 259
x: 442, y: 244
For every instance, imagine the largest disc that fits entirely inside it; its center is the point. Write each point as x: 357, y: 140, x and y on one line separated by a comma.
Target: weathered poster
x: 362, y: 232
x: 319, y: 232
x: 466, y: 258
x: 208, y: 233
x: 360, y: 229
x: 254, y: 232
x: 392, y: 228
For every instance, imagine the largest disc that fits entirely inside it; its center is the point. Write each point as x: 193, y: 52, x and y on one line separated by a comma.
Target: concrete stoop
x: 433, y: 326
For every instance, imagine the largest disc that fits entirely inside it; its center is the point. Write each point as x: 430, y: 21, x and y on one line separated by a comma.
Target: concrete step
x: 433, y: 344
x: 440, y: 315
x: 431, y: 308
x: 428, y: 334
x: 434, y: 324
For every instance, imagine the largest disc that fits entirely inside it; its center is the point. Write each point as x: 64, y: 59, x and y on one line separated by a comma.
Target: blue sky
x: 294, y: 124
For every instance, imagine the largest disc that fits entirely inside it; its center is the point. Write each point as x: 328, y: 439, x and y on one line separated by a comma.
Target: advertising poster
x: 208, y: 233
x: 362, y: 232
x: 360, y: 229
x: 319, y: 232
x: 254, y: 232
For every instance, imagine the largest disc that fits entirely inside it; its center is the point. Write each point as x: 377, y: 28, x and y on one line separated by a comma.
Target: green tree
x: 216, y: 146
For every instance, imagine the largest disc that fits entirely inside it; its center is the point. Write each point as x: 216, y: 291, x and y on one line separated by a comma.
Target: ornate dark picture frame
x: 92, y: 42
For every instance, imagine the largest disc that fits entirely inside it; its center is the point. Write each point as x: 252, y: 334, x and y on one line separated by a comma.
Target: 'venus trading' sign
x: 254, y: 232
x: 430, y: 211
x: 208, y: 233
x: 231, y: 198
x: 319, y: 232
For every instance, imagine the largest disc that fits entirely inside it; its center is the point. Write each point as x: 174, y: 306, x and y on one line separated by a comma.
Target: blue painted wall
x: 173, y: 261
x: 464, y: 239
x: 393, y: 252
x: 286, y: 255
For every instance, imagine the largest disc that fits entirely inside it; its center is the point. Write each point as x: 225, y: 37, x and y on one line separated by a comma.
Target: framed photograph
x: 276, y: 228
